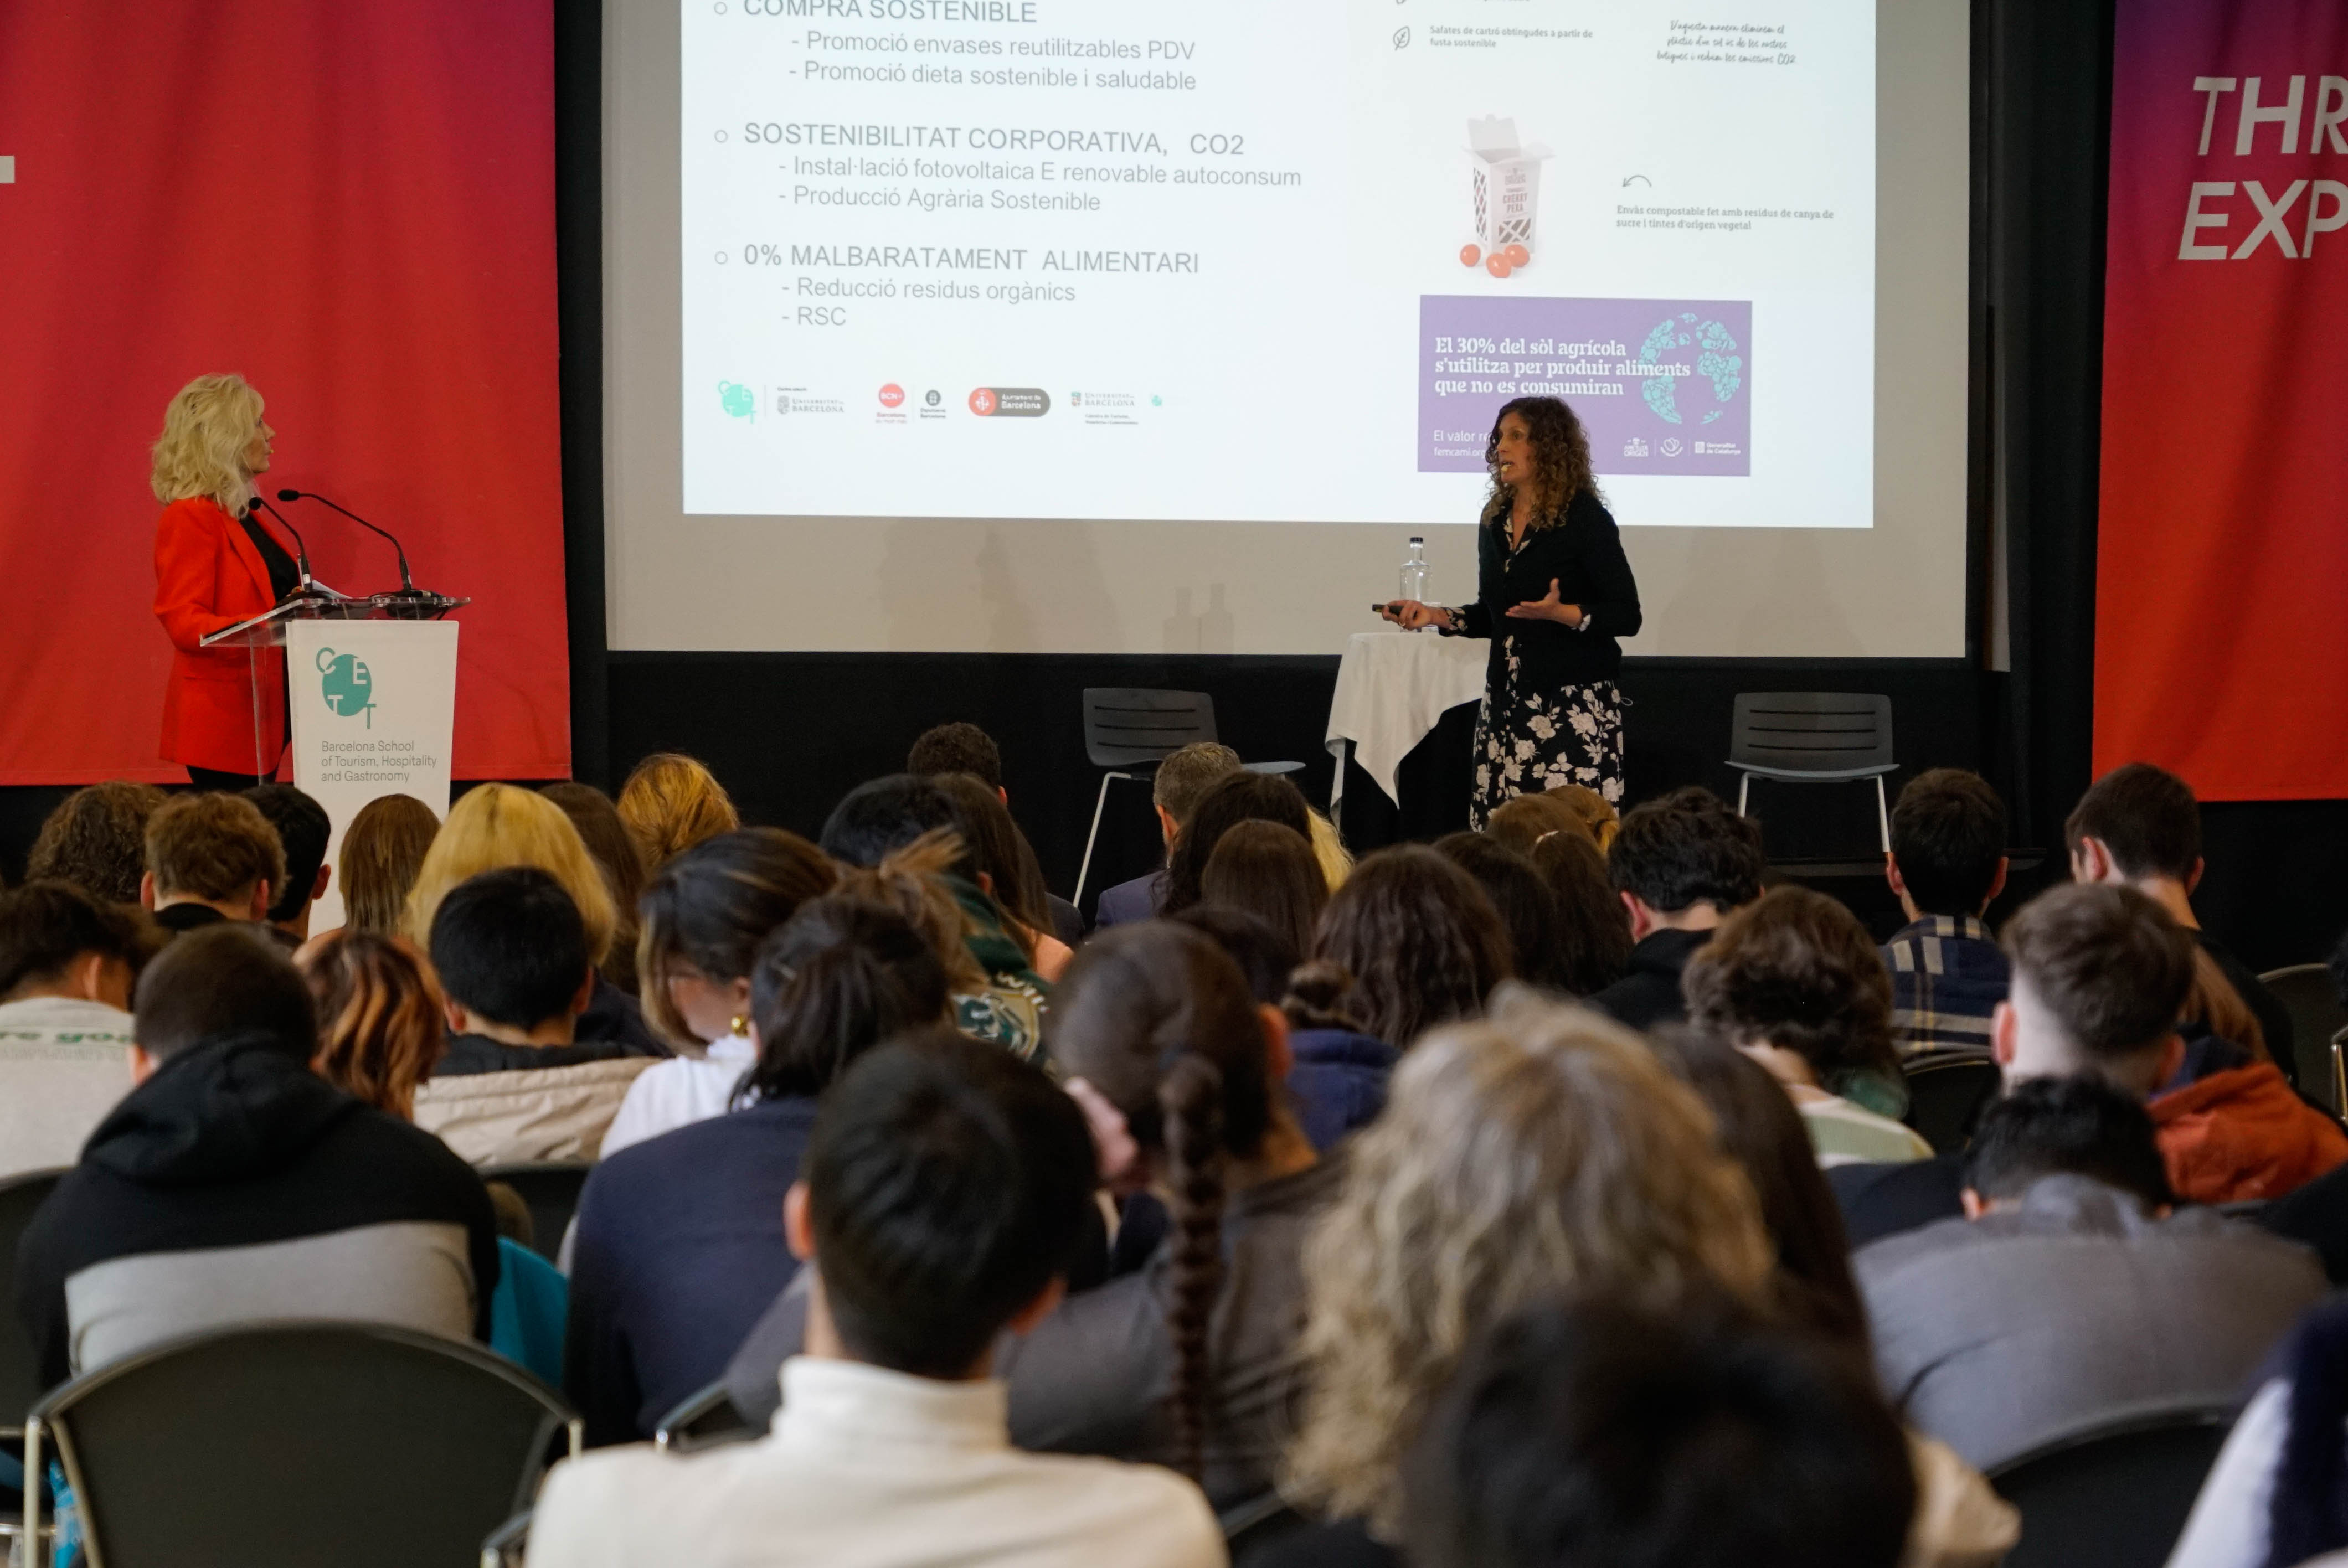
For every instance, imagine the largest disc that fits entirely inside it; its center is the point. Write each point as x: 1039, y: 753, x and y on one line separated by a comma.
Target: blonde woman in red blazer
x: 216, y: 564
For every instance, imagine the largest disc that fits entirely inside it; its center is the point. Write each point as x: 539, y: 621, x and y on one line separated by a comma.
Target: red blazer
x: 207, y: 575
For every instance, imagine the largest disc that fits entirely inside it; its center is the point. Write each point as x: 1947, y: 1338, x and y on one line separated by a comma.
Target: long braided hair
x: 1160, y: 1019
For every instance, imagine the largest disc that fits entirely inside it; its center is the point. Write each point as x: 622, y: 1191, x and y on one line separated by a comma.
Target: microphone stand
x: 408, y: 588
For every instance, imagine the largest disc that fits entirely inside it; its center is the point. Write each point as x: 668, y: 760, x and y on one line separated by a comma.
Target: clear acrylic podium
x: 268, y: 630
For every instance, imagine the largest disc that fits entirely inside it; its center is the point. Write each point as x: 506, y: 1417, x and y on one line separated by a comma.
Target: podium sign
x: 374, y: 707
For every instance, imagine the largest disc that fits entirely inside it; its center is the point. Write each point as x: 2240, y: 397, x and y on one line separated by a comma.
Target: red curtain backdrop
x: 351, y: 202
x: 2221, y: 616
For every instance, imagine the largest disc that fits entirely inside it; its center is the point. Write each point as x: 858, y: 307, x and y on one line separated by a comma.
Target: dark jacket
x: 1582, y: 553
x: 181, y: 918
x: 235, y: 1185
x: 1338, y: 1083
x: 1649, y: 994
x: 613, y: 1016
x: 1129, y: 901
x: 474, y: 1054
x: 679, y: 1250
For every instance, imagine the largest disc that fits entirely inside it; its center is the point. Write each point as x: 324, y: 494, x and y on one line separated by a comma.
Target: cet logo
x: 739, y: 400
x: 982, y: 400
x: 347, y: 684
x: 891, y: 395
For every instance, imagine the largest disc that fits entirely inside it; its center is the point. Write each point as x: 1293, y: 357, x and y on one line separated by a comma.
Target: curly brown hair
x: 1797, y: 971
x: 1561, y: 468
x: 96, y: 840
x: 1422, y: 940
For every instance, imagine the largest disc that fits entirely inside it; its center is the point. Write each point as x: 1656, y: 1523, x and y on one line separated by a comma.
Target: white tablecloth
x: 1392, y: 688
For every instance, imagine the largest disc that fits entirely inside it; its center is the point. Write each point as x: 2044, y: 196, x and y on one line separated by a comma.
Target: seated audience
x: 1521, y: 894
x: 1593, y: 930
x: 2069, y: 1288
x: 1525, y: 820
x: 945, y: 1189
x: 1268, y: 871
x: 1600, y: 1433
x: 670, y: 802
x: 1947, y: 865
x: 67, y: 965
x: 704, y: 913
x: 302, y: 831
x: 96, y: 840
x: 494, y: 825
x: 515, y: 1084
x: 210, y: 857
x: 1680, y: 864
x: 2279, y: 1491
x: 1191, y: 1361
x: 2139, y: 825
x: 964, y: 748
x: 613, y: 847
x: 234, y: 1185
x: 885, y: 822
x: 1006, y: 871
x: 1795, y: 982
x: 1422, y: 943
x: 382, y: 850
x: 680, y: 1241
x: 1597, y: 813
x: 382, y: 1016
x: 1230, y: 800
x: 1174, y: 789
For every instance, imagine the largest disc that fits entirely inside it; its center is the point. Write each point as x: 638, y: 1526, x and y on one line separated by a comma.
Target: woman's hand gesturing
x: 1547, y: 609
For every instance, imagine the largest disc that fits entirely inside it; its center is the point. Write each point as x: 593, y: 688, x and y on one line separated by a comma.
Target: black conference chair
x: 2317, y: 1019
x: 2114, y: 1491
x: 1946, y: 1091
x: 20, y: 1358
x: 549, y: 1189
x: 706, y: 1418
x: 1813, y: 737
x: 1129, y: 729
x: 286, y: 1445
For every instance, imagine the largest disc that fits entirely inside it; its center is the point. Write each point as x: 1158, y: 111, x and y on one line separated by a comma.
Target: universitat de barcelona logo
x: 347, y: 684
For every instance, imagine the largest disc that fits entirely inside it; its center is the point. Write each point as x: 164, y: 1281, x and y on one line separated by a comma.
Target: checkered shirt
x: 1947, y: 976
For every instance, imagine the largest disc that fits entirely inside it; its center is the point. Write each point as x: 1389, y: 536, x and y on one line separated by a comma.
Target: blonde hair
x: 672, y: 803
x: 1541, y: 1149
x: 498, y: 826
x: 1329, y: 849
x: 206, y: 425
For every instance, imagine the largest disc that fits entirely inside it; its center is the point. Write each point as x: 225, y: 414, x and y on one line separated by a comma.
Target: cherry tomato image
x: 1517, y: 255
x: 1469, y: 255
x: 1496, y: 264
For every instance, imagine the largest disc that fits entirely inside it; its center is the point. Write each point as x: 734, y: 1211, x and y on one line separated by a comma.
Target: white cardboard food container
x: 1508, y: 182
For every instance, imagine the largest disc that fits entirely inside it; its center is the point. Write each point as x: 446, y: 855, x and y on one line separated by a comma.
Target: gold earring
x: 740, y: 1024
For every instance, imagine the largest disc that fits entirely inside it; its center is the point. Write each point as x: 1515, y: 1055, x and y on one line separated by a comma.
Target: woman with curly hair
x: 1553, y: 591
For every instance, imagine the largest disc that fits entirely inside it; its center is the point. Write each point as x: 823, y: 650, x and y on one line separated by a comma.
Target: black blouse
x: 1582, y: 552
x: 284, y: 576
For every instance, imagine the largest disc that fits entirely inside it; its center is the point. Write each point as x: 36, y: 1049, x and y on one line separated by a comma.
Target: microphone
x: 301, y: 551
x: 408, y: 588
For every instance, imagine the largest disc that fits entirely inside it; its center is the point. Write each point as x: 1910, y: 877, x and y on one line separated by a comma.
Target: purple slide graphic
x: 1662, y: 385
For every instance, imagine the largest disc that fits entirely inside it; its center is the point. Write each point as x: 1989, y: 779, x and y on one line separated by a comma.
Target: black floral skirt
x: 1528, y: 741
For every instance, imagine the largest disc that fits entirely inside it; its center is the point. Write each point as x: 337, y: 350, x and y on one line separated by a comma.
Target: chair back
x: 2114, y: 1491
x: 704, y: 1419
x: 300, y: 1443
x: 2307, y: 994
x: 1946, y: 1091
x: 1821, y: 735
x: 20, y: 1359
x: 549, y: 1189
x: 1127, y: 726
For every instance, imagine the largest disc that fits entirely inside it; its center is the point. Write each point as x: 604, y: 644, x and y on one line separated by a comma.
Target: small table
x: 1392, y: 688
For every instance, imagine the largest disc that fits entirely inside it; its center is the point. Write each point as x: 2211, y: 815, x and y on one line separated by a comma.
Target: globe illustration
x: 347, y: 684
x: 1719, y: 369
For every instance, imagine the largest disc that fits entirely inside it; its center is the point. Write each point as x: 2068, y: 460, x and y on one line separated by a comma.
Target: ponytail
x: 840, y: 976
x: 1190, y: 1103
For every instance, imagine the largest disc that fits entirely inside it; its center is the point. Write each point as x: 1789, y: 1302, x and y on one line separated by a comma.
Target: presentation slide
x: 1237, y: 261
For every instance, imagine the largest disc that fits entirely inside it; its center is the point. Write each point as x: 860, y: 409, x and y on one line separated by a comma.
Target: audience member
x: 615, y: 850
x: 1679, y: 864
x: 302, y: 831
x: 381, y: 1016
x: 945, y: 1189
x: 2277, y: 1494
x: 1946, y: 866
x: 1597, y: 813
x: 887, y: 820
x: 1181, y: 778
x: 704, y: 913
x: 670, y: 802
x: 1525, y: 820
x: 964, y: 748
x: 1602, y: 1432
x: 1191, y: 1360
x: 67, y: 963
x: 1593, y: 930
x: 680, y: 1238
x: 234, y: 1185
x: 210, y: 857
x: 1268, y: 871
x: 96, y: 840
x: 383, y: 851
x: 2070, y: 1288
x: 1527, y: 907
x: 515, y: 1084
x: 1230, y: 800
x: 1423, y: 944
x: 2140, y: 825
x: 1004, y: 869
x: 494, y: 825
x: 1795, y: 982
x: 1329, y: 848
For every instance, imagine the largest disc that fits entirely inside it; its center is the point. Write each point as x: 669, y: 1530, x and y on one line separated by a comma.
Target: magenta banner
x: 1662, y: 385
